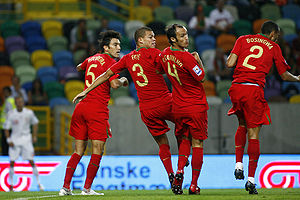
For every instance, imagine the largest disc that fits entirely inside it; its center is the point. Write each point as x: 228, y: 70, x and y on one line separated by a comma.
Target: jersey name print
x: 256, y: 56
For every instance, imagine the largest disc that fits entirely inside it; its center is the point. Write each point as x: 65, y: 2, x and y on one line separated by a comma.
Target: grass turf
x: 210, y: 194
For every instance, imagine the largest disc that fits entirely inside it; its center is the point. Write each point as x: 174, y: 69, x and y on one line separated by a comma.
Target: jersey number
x: 260, y: 52
x: 141, y: 73
x: 174, y: 74
x: 89, y: 73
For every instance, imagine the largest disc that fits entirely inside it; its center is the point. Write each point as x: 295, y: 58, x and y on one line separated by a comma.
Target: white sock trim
x: 239, y: 165
x: 251, y: 179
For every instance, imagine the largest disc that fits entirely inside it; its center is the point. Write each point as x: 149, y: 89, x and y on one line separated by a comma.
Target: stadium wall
x: 147, y: 172
x: 131, y: 137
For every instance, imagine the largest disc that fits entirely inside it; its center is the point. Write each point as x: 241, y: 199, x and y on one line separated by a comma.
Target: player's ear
x: 173, y: 39
x: 140, y: 40
x: 105, y: 47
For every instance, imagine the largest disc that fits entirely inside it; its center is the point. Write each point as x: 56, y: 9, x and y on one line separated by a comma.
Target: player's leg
x: 253, y: 152
x: 78, y: 130
x: 240, y: 141
x: 155, y: 120
x: 165, y: 154
x: 80, y: 146
x: 36, y: 174
x: 97, y: 152
x: 197, y: 161
x: 11, y: 174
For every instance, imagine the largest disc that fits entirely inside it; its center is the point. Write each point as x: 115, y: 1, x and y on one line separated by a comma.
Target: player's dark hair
x: 140, y: 32
x: 171, y: 31
x: 268, y: 27
x: 106, y: 37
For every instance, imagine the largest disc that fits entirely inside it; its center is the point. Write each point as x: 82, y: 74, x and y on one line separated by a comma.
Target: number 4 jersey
x: 256, y: 55
x: 142, y: 66
x: 185, y: 75
x: 94, y: 66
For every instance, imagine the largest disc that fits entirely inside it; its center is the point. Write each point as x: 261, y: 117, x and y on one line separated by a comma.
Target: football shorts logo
x: 197, y: 70
x: 280, y: 174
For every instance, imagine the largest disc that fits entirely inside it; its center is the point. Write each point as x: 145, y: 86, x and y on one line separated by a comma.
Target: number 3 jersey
x: 256, y: 55
x: 142, y: 66
x: 94, y: 66
x: 185, y: 75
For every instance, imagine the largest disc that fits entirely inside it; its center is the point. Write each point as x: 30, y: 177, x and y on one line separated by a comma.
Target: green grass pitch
x: 210, y: 194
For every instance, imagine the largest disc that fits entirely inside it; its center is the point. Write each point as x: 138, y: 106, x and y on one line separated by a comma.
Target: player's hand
x: 79, y: 97
x: 34, y: 139
x: 124, y: 81
x: 10, y: 144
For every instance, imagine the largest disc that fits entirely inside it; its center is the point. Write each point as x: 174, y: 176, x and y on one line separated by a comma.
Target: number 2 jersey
x: 256, y: 54
x: 151, y: 87
x: 185, y: 75
x: 94, y: 66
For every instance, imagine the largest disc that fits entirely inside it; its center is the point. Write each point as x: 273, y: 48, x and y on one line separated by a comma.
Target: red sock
x: 71, y: 167
x: 165, y: 156
x: 184, y: 152
x: 178, y: 139
x: 92, y: 170
x: 240, y: 141
x: 253, y: 152
x: 197, y: 161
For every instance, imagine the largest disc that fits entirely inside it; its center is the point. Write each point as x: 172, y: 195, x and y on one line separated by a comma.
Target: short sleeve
x: 7, y: 124
x: 84, y: 64
x: 193, y: 67
x: 33, y: 118
x: 237, y: 46
x: 280, y: 62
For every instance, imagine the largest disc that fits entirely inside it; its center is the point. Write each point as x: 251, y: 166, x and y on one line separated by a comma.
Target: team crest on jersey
x: 197, y: 70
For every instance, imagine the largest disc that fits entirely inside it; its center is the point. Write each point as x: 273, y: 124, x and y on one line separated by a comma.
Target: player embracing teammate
x: 186, y: 73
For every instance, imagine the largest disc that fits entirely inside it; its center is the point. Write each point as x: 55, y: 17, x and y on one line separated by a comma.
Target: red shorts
x: 155, y: 119
x: 194, y: 124
x: 89, y: 122
x: 249, y: 104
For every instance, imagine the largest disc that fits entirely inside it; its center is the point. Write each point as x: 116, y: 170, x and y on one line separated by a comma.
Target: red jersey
x: 94, y: 66
x: 151, y: 87
x: 256, y: 54
x: 185, y: 75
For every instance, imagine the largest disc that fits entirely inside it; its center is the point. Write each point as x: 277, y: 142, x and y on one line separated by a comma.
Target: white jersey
x: 20, y: 123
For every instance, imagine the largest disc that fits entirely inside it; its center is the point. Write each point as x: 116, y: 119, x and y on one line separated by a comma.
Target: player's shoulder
x: 154, y: 50
x: 27, y: 110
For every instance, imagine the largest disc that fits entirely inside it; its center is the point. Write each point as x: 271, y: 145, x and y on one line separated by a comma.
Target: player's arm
x: 98, y: 81
x: 118, y: 82
x: 197, y: 57
x: 231, y: 60
x: 6, y: 127
x: 287, y: 76
x: 34, y: 132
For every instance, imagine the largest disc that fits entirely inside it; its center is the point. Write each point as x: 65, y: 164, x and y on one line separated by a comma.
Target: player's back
x: 256, y: 55
x: 151, y: 86
x: 185, y: 75
x: 94, y: 66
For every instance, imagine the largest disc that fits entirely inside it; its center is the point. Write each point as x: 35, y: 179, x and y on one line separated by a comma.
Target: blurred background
x: 41, y: 42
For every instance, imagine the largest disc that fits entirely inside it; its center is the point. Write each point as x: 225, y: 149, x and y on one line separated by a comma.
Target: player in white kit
x: 20, y: 140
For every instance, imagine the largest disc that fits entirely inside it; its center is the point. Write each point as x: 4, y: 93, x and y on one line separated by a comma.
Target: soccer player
x: 154, y: 96
x: 90, y: 117
x: 185, y: 71
x: 20, y: 140
x: 253, y: 56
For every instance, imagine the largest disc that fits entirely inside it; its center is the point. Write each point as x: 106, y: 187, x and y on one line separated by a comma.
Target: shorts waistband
x: 254, y: 84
